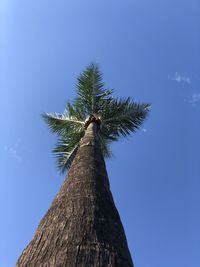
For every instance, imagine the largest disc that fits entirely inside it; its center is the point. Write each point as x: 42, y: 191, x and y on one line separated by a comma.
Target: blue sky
x: 148, y: 50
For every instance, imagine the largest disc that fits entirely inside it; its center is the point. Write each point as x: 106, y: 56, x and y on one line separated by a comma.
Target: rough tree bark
x: 82, y: 228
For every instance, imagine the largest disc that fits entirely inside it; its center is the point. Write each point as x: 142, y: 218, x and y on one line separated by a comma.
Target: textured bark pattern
x: 82, y: 227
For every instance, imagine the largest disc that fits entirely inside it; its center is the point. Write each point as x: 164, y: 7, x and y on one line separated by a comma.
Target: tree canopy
x: 117, y: 117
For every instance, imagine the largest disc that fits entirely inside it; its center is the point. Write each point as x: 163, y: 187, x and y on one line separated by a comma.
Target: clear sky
x: 148, y: 50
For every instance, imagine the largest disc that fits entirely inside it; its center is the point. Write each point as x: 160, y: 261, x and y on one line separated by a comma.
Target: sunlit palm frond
x: 61, y: 123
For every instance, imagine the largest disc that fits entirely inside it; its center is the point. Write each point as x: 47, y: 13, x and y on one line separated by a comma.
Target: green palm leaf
x: 105, y: 145
x: 91, y: 91
x: 121, y: 117
x: 74, y: 111
x: 66, y: 149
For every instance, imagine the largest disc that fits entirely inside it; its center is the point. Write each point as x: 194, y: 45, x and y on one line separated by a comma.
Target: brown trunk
x: 82, y: 228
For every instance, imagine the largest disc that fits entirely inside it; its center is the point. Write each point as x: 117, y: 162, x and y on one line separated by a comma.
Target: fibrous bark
x: 82, y: 228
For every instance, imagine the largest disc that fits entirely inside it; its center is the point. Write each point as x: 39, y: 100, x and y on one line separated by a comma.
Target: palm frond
x: 65, y: 159
x: 105, y: 145
x: 66, y: 149
x: 90, y: 90
x: 121, y: 117
x: 75, y: 112
x: 62, y: 123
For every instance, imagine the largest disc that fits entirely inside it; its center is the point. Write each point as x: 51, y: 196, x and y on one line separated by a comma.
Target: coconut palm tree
x: 82, y: 227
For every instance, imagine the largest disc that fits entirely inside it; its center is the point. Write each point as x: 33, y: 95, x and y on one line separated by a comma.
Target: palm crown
x: 117, y: 117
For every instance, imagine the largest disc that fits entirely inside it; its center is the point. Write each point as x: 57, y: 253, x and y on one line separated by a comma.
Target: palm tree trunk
x: 82, y: 227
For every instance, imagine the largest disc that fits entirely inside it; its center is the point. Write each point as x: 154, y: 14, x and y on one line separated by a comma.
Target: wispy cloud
x: 195, y: 98
x: 180, y: 78
x: 191, y: 96
x: 144, y: 130
x: 12, y: 151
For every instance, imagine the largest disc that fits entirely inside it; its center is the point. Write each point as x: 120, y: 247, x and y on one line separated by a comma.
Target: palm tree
x: 82, y: 227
